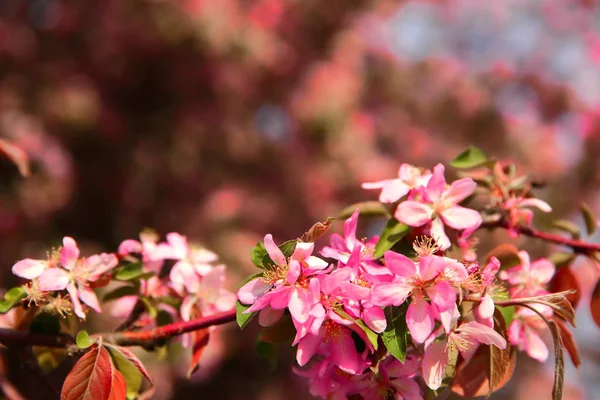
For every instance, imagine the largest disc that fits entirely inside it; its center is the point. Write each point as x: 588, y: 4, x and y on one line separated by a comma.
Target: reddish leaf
x: 565, y: 280
x: 134, y: 360
x: 556, y: 301
x: 119, y: 386
x: 91, y: 377
x: 559, y: 361
x: 16, y: 155
x: 316, y: 231
x: 472, y: 379
x: 200, y: 341
x: 595, y: 304
x: 568, y: 342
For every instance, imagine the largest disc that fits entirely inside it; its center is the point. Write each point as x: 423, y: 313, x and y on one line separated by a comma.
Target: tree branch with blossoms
x: 411, y: 313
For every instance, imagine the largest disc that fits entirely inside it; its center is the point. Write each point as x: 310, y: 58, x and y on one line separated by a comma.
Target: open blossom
x: 211, y: 296
x: 392, y: 190
x: 393, y: 378
x: 431, y: 277
x: 439, y: 207
x: 528, y: 278
x: 351, y: 251
x: 147, y: 246
x: 288, y: 284
x: 525, y: 332
x: 519, y: 215
x: 465, y: 338
x: 191, y: 262
x: 71, y: 273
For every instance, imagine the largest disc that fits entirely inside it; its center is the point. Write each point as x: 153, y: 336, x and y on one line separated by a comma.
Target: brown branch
x: 578, y: 246
x: 158, y: 335
x: 147, y: 339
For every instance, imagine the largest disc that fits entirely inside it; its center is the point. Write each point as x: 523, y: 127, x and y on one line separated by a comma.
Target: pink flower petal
x: 460, y: 190
x: 74, y: 295
x: 374, y: 318
x: 535, y: 346
x: 69, y: 253
x: 483, y: 334
x: 99, y: 264
x: 399, y: 264
x: 486, y: 307
x: 413, y: 213
x: 130, y: 246
x: 87, y: 295
x: 183, y: 275
x: 179, y: 244
x: 542, y: 270
x: 393, y: 293
x: 437, y: 184
x: 274, y: 251
x: 442, y: 296
x: 458, y: 217
x: 430, y: 267
x: 53, y: 279
x: 293, y: 272
x: 316, y: 264
x: 299, y: 306
x: 269, y: 316
x: 419, y: 319
x: 438, y: 233
x: 251, y: 291
x: 302, y: 251
x: 307, y: 348
x: 350, y: 229
x: 29, y: 268
x: 434, y: 364
x: 343, y: 353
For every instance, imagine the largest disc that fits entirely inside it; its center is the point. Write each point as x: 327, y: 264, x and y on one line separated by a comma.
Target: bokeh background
x: 228, y: 119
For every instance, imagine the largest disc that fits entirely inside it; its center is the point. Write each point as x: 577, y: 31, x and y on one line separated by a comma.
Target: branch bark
x: 578, y: 246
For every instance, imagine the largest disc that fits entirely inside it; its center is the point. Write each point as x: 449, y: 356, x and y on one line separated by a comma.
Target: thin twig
x: 578, y: 246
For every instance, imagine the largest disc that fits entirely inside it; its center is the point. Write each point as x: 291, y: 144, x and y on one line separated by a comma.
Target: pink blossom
x: 211, y: 296
x: 192, y: 262
x: 392, y: 190
x: 433, y: 277
x: 529, y: 278
x: 438, y: 207
x: 353, y: 252
x: 518, y: 215
x: 465, y: 338
x: 73, y: 274
x: 393, y: 377
x: 524, y: 332
x: 146, y: 247
x: 289, y: 284
x: 484, y: 312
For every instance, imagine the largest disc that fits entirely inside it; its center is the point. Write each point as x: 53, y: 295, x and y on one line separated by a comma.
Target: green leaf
x: 395, y: 336
x: 150, y: 306
x: 120, y: 292
x: 392, y: 233
x: 366, y: 208
x: 287, y: 248
x: 12, y: 298
x: 45, y: 323
x: 470, y: 158
x: 84, y: 340
x: 131, y: 271
x: 562, y: 259
x: 133, y: 377
x: 591, y: 223
x: 568, y: 226
x: 508, y: 313
x: 241, y: 318
x: 371, y: 336
x: 258, y: 253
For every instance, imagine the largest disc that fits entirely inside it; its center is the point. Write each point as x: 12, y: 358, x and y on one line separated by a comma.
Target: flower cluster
x: 64, y: 269
x: 529, y: 279
x: 339, y: 310
x: 431, y: 203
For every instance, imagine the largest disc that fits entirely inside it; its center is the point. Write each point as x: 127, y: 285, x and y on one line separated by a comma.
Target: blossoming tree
x: 414, y: 313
